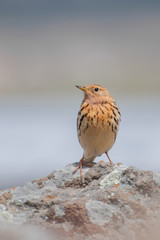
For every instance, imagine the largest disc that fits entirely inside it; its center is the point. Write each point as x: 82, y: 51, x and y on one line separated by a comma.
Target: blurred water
x: 39, y: 135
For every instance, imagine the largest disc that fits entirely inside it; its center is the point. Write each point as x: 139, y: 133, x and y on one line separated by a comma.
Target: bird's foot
x: 81, y: 163
x: 118, y: 164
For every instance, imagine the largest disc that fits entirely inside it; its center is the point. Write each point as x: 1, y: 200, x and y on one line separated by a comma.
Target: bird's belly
x: 96, y: 141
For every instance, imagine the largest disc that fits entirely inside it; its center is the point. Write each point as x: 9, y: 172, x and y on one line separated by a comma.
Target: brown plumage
x: 97, y: 123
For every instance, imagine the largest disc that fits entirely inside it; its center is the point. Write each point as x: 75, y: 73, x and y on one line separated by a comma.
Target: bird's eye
x: 96, y: 89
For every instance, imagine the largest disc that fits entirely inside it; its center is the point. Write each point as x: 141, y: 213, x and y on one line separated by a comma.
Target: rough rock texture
x: 116, y: 203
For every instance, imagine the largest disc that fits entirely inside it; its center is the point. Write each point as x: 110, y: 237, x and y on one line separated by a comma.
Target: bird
x: 97, y: 124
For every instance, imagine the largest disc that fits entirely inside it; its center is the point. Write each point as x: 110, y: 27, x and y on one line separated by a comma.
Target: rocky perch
x: 112, y: 203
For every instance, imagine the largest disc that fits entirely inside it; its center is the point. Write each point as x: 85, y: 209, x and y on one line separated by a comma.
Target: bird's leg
x: 111, y: 163
x: 81, y: 163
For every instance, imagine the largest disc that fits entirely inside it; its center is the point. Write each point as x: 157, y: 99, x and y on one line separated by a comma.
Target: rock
x: 116, y: 202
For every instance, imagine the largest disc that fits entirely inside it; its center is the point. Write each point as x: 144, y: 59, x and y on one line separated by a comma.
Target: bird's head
x: 95, y: 93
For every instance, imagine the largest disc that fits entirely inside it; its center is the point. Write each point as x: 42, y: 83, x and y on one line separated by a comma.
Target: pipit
x: 97, y: 123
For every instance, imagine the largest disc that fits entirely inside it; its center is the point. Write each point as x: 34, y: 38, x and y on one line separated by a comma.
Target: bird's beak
x: 82, y: 88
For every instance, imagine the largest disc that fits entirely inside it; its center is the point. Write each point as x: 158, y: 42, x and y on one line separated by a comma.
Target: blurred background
x: 46, y: 48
